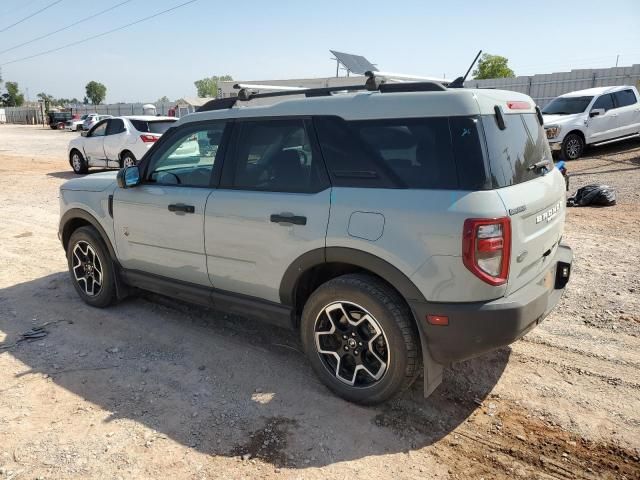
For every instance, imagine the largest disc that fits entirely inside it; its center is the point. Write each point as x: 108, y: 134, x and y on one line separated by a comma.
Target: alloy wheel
x: 128, y: 161
x: 573, y: 148
x: 87, y: 268
x: 351, y: 344
x: 77, y: 163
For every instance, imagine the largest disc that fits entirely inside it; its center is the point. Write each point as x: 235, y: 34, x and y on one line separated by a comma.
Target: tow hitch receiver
x: 563, y: 272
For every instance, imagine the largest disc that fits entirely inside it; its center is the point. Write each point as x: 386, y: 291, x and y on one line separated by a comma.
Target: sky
x: 259, y: 40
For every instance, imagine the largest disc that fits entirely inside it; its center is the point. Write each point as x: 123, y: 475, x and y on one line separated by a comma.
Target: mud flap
x: 432, y: 371
x: 122, y: 289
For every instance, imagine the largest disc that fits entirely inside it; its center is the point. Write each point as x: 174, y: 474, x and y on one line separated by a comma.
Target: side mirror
x: 596, y: 112
x: 128, y: 177
x: 84, y: 133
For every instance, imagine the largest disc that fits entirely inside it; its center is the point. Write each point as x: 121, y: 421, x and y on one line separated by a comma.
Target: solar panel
x: 354, y: 63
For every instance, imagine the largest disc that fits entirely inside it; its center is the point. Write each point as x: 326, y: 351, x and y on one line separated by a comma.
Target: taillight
x: 486, y: 248
x: 148, y: 138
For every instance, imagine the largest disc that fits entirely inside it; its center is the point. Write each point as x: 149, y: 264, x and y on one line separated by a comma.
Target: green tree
x: 13, y: 97
x: 48, y: 100
x: 163, y: 99
x: 208, y: 87
x: 96, y: 92
x: 492, y: 66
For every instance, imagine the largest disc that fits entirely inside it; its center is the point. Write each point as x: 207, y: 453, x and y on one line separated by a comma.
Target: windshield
x: 567, y: 105
x: 153, y: 126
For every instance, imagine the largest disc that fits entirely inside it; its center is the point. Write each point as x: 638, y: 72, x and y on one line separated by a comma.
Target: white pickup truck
x: 595, y: 116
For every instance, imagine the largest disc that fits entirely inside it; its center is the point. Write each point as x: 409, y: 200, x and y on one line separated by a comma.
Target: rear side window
x: 625, y: 98
x: 276, y: 156
x: 417, y: 153
x: 516, y: 148
x: 604, y: 101
x: 153, y: 126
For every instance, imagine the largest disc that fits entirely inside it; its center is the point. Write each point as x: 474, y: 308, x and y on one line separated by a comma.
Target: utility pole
x: 617, y: 58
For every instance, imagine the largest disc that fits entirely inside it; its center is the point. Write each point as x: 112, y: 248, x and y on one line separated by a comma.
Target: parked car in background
x: 58, y: 120
x: 92, y: 119
x: 595, y: 116
x: 117, y: 142
x: 75, y: 124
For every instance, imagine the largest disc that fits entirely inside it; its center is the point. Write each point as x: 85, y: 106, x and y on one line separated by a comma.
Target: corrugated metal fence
x: 545, y: 87
x: 542, y: 88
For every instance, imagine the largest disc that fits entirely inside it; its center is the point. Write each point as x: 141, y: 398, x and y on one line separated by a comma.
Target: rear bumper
x: 479, y: 327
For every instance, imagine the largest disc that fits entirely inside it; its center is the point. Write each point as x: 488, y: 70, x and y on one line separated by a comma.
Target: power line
x: 21, y: 7
x: 99, y: 34
x: 32, y: 15
x: 63, y: 28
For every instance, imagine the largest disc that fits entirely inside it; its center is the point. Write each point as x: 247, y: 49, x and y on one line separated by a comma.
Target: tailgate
x: 535, y: 231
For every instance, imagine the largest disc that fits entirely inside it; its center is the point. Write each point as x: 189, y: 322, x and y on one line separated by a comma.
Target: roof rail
x: 373, y: 83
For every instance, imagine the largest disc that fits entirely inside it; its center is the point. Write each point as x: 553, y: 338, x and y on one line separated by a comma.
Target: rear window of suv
x: 152, y: 126
x: 516, y: 148
x: 415, y: 153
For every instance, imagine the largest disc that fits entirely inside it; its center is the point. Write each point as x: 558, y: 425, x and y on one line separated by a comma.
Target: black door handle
x: 178, y: 207
x: 284, y: 218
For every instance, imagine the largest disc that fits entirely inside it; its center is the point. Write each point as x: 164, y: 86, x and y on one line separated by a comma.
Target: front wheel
x: 572, y: 146
x: 360, y: 338
x: 91, y: 268
x: 78, y: 163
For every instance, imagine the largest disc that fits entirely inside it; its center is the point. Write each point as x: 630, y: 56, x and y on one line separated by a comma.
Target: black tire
x: 572, y: 146
x: 127, y: 159
x: 86, y: 256
x: 357, y: 294
x: 78, y: 163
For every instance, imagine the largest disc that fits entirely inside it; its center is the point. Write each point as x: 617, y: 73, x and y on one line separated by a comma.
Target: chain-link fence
x: 34, y: 115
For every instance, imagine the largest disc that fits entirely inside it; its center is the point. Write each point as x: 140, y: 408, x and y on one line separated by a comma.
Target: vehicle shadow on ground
x: 612, y: 148
x: 221, y: 384
x: 69, y: 174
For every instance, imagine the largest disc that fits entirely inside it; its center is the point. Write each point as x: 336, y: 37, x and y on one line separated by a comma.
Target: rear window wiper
x: 539, y: 165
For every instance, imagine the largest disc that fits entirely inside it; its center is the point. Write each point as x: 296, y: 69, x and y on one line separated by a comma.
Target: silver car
x: 92, y: 119
x: 398, y: 229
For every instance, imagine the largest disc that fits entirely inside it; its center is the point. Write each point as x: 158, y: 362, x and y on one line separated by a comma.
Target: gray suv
x: 399, y: 228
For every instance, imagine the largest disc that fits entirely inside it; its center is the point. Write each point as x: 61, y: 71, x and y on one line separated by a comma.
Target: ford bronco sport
x: 398, y: 227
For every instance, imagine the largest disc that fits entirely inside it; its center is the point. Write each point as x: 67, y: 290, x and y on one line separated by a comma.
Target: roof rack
x: 373, y: 83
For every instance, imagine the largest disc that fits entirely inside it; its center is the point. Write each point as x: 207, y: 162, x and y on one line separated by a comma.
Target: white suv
x: 117, y: 142
x: 394, y: 227
x: 595, y: 116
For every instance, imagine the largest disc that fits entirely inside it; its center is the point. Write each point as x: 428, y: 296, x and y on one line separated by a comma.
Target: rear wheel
x: 127, y: 160
x: 572, y: 146
x: 360, y: 338
x: 78, y: 163
x: 91, y: 268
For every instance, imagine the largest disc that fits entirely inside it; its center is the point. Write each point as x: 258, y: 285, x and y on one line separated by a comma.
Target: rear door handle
x: 179, y: 207
x: 288, y: 218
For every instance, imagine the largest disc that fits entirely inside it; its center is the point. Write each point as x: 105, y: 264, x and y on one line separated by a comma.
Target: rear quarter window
x: 416, y: 153
x: 516, y: 148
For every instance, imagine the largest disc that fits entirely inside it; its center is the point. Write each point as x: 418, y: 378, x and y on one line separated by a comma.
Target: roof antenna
x: 459, y: 82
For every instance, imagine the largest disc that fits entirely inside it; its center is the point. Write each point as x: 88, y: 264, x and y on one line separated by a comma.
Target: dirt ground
x: 152, y: 388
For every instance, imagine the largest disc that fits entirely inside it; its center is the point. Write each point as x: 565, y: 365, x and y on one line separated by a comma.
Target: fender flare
x: 74, y: 213
x: 350, y: 256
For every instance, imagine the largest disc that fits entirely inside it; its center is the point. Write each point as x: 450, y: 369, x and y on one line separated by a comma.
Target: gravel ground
x: 152, y: 388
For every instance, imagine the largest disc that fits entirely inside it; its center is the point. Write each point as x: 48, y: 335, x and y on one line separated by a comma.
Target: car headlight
x: 552, y: 132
